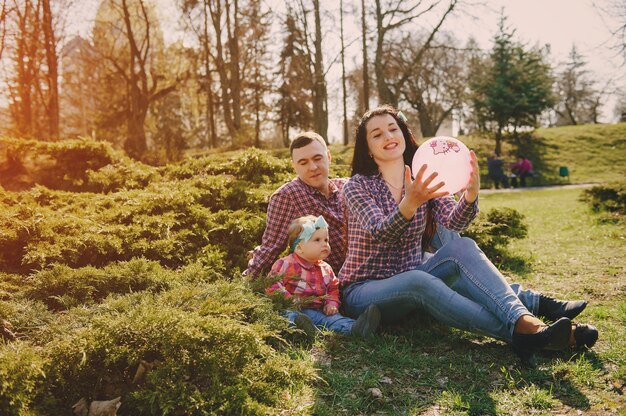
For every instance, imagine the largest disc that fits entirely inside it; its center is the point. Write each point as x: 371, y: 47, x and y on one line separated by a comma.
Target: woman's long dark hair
x: 361, y: 161
x: 363, y: 164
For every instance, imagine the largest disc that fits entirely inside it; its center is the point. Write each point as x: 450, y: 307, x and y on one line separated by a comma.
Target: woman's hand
x: 419, y: 191
x: 473, y: 186
x: 330, y: 309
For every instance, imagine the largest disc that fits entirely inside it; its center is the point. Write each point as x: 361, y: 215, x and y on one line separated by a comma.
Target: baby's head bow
x: 308, y: 228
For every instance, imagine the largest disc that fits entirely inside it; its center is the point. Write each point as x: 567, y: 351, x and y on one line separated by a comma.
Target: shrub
x: 124, y: 174
x: 208, y: 343
x: 493, y: 232
x: 30, y: 318
x: 610, y: 198
x: 257, y: 166
x: 238, y: 232
x: 252, y: 165
x: 166, y: 222
x: 61, y: 287
x: 22, y: 375
x: 60, y: 165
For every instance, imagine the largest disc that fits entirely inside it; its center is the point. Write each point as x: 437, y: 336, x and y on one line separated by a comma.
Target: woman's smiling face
x: 384, y: 138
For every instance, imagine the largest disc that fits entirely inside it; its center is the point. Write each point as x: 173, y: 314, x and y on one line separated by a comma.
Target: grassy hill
x: 592, y: 153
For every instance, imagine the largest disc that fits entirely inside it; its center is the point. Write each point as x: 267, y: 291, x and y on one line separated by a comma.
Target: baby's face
x: 317, y: 248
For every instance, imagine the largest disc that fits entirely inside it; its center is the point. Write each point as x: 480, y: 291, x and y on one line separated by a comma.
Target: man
x: 313, y: 193
x: 310, y: 193
x: 495, y: 171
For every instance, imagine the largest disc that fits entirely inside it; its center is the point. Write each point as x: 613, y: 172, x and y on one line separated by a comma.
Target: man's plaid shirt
x: 381, y: 242
x: 293, y: 200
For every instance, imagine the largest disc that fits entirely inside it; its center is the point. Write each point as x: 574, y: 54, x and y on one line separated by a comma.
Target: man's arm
x: 280, y: 213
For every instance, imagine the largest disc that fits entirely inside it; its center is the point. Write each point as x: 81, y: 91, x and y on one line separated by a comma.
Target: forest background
x: 161, y: 79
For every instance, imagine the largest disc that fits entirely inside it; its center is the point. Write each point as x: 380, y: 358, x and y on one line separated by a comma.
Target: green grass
x: 433, y: 368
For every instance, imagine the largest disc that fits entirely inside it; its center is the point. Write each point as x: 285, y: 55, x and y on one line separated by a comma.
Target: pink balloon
x: 447, y: 156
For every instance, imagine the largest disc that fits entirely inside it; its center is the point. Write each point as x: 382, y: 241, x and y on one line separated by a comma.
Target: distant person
x: 521, y: 169
x: 306, y: 276
x: 495, y: 170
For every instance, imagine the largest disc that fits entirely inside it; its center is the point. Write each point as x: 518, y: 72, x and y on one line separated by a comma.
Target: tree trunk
x: 22, y: 96
x: 3, y: 25
x: 499, y: 140
x: 135, y: 144
x: 234, y: 70
x: 366, y: 77
x: 320, y: 111
x: 53, y: 73
x: 384, y: 92
x: 343, y: 77
x: 216, y: 18
x: 210, y: 111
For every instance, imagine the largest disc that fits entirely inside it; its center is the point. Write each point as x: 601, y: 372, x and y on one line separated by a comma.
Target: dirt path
x: 532, y: 188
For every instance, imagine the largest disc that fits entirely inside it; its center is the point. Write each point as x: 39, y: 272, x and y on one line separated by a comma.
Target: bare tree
x: 33, y: 80
x: 51, y: 102
x: 127, y: 37
x: 394, y: 15
x: 3, y: 25
x: 256, y: 70
x: 578, y: 98
x: 438, y: 85
x: 199, y: 24
x: 225, y: 16
x: 616, y: 10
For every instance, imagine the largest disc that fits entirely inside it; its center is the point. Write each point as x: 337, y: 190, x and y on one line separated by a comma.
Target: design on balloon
x: 447, y: 156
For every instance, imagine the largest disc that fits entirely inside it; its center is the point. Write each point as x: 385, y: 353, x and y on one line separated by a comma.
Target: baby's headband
x: 308, y: 228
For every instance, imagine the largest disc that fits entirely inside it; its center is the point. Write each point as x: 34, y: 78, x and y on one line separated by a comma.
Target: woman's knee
x: 465, y: 243
x: 419, y: 282
x: 462, y: 246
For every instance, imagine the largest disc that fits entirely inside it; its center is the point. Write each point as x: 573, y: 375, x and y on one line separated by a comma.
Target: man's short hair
x: 304, y: 139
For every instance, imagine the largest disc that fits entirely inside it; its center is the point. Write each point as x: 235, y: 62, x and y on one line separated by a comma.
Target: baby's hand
x: 330, y: 309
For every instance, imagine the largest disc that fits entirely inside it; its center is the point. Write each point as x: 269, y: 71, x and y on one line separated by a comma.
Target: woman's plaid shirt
x: 293, y: 200
x: 381, y: 242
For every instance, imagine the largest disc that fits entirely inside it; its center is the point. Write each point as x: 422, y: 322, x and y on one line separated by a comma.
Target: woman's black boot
x: 555, y: 336
x: 585, y: 335
x: 553, y: 309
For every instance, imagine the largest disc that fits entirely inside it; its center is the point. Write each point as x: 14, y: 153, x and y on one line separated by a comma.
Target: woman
x: 389, y: 213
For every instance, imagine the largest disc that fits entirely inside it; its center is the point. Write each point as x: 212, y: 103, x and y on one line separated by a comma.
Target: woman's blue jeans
x: 529, y: 298
x: 458, y: 286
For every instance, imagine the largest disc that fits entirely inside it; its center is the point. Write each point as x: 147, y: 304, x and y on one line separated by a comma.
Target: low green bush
x: 493, y: 231
x: 22, y: 375
x: 610, y: 198
x: 31, y: 319
x: 210, y: 345
x: 238, y: 232
x: 169, y: 222
x: 124, y: 174
x: 61, y: 287
x: 60, y: 165
x: 251, y: 165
